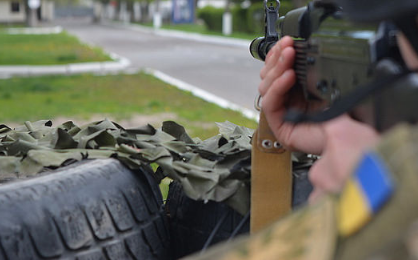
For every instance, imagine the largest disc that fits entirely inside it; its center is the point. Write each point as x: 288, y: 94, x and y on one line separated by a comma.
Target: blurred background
x: 247, y: 14
x: 86, y: 60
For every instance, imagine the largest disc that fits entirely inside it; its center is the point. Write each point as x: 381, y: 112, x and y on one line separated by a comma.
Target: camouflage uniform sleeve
x: 392, y: 232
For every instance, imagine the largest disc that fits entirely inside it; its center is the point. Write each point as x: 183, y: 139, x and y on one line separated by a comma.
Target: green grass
x: 117, y: 97
x: 201, y: 28
x: 47, y: 49
x: 11, y: 25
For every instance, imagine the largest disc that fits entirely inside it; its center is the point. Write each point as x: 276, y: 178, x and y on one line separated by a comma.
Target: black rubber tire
x: 92, y: 210
x: 192, y: 222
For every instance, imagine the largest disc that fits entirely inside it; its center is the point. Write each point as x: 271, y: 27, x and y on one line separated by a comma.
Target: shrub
x: 247, y: 20
x: 285, y: 7
x: 239, y: 19
x: 212, y: 17
x: 255, y: 18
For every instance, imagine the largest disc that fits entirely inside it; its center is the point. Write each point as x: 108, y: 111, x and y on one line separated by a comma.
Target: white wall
x: 6, y: 16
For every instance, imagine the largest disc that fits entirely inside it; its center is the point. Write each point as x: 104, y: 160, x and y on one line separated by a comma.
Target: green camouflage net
x: 215, y: 169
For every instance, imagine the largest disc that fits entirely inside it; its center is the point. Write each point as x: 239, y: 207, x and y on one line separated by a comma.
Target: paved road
x: 227, y: 71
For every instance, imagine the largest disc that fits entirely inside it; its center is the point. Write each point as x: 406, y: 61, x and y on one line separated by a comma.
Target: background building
x: 13, y: 11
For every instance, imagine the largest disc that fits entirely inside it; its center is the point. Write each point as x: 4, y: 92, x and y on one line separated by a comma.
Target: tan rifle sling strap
x: 271, y: 178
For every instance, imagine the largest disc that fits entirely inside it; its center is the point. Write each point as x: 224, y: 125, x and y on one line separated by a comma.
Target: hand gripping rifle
x: 347, y: 68
x: 342, y: 65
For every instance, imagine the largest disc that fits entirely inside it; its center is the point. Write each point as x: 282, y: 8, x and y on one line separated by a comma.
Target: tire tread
x: 62, y: 215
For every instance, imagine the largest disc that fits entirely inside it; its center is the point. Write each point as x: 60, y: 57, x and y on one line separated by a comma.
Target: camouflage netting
x: 215, y: 169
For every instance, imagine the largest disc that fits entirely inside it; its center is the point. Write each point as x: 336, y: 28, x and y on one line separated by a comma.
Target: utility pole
x: 32, y: 15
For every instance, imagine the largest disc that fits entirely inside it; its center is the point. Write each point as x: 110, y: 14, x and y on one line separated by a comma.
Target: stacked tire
x: 95, y: 209
x: 99, y: 209
x: 196, y: 225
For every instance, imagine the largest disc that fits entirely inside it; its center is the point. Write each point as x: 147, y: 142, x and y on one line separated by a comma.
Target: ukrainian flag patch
x: 364, y: 194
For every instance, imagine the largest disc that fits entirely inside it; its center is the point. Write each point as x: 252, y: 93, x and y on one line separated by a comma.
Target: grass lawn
x: 47, y: 49
x: 118, y: 97
x: 11, y: 25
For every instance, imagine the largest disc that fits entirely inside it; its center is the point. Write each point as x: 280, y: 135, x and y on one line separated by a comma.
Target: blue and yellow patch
x: 364, y: 194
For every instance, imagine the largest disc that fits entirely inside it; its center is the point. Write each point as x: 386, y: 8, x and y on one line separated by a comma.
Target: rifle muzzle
x: 259, y: 47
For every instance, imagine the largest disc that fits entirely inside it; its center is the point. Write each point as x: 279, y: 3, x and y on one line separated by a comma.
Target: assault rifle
x: 342, y: 65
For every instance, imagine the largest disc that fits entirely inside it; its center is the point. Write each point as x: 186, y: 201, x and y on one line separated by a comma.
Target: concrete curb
x: 119, y: 64
x: 37, y: 30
